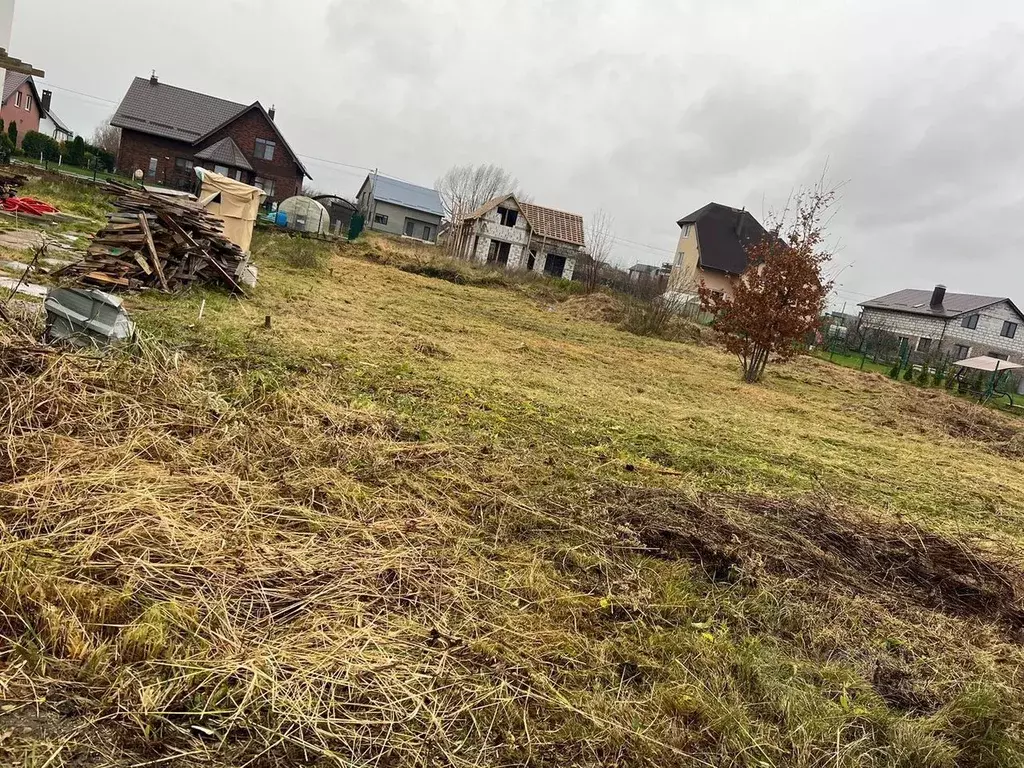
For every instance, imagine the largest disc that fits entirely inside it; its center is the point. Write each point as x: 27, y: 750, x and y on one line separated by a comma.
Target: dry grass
x: 421, y: 522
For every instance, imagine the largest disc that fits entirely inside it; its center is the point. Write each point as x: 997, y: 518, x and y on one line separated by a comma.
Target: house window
x: 265, y: 149
x: 971, y: 321
x: 1009, y: 330
x: 410, y: 227
x: 152, y: 168
x: 428, y: 232
x: 17, y: 99
x: 28, y: 103
x: 498, y: 253
x: 267, y: 185
x: 380, y: 218
x: 508, y: 217
x: 960, y: 352
x: 183, y: 165
x: 923, y: 344
x: 685, y: 231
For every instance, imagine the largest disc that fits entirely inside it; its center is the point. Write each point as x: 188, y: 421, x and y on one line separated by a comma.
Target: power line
x: 79, y: 93
x: 111, y: 101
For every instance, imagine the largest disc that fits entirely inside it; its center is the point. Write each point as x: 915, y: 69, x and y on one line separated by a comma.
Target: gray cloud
x: 647, y: 110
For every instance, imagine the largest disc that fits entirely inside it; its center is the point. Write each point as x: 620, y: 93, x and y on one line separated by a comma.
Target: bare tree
x: 464, y: 188
x: 599, y: 239
x: 107, y: 137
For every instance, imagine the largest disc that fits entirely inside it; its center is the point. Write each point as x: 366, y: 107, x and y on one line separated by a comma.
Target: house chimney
x: 152, y: 78
x: 47, y: 95
x: 271, y: 112
x: 937, y: 296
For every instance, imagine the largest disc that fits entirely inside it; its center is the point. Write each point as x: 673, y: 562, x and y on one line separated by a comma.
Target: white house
x: 955, y: 325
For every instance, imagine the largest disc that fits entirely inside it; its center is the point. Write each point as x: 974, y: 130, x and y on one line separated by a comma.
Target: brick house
x: 713, y: 243
x: 167, y: 131
x: 936, y: 324
x: 506, y: 232
x: 22, y: 104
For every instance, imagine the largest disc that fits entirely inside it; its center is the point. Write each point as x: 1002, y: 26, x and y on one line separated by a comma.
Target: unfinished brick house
x: 505, y: 232
x: 167, y: 131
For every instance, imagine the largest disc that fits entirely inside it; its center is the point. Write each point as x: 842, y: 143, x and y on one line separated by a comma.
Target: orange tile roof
x: 554, y: 224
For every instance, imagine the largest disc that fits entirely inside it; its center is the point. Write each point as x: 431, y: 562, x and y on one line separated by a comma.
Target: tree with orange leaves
x: 781, y: 297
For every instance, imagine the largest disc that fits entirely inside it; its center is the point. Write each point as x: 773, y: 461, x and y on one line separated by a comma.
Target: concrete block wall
x: 947, y: 334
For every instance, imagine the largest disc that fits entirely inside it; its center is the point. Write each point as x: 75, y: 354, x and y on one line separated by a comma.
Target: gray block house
x: 400, y: 208
x: 957, y: 326
x: 512, y: 234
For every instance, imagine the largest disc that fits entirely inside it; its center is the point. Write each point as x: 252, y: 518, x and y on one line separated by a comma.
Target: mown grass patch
x: 414, y: 506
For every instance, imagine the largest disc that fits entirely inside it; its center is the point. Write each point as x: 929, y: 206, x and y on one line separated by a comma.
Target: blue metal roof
x: 407, y: 195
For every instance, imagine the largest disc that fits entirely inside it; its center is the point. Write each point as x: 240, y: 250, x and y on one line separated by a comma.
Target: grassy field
x: 435, y: 516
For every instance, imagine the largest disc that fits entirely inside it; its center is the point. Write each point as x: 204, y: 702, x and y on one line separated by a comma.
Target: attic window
x: 508, y: 217
x: 971, y: 321
x: 17, y: 99
x: 686, y: 231
x: 265, y: 149
x: 28, y: 103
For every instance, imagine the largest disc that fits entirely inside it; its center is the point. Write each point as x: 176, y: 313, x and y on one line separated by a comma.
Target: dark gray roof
x: 724, y: 234
x: 171, y: 112
x: 916, y: 302
x: 225, y: 152
x: 407, y: 195
x: 177, y: 113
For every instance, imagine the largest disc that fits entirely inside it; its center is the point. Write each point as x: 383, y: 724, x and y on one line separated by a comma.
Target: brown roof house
x: 508, y: 233
x: 713, y: 243
x: 936, y: 324
x: 167, y: 131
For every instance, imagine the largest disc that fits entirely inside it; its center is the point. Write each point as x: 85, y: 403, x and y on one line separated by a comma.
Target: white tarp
x: 986, y: 363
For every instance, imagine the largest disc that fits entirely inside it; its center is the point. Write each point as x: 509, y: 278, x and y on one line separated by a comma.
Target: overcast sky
x: 646, y: 109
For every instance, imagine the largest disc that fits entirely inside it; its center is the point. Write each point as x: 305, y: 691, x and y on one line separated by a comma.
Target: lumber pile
x: 10, y: 182
x: 156, y: 241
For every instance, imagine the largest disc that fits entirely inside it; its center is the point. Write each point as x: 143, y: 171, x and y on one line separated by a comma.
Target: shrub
x: 908, y: 375
x: 649, y: 317
x: 924, y: 376
x: 35, y: 144
x: 940, y: 376
x: 12, y: 133
x: 894, y: 372
x: 75, y: 151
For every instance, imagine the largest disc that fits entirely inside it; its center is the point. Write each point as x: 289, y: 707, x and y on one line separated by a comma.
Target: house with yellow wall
x: 713, y: 243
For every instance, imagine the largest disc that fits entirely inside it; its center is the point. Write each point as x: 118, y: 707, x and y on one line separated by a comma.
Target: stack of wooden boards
x: 158, y: 241
x: 10, y: 182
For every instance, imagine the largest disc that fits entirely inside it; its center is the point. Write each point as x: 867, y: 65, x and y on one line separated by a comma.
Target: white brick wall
x: 981, y: 340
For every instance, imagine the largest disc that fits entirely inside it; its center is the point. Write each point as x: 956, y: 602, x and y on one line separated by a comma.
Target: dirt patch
x: 900, y: 690
x: 743, y: 537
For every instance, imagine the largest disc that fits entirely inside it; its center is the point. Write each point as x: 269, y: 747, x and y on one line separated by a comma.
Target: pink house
x: 20, y: 104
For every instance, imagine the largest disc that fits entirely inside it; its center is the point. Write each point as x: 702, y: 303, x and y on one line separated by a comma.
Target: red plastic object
x: 28, y: 205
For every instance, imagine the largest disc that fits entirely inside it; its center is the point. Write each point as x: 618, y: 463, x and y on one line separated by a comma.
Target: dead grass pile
x: 934, y: 411
x: 216, y: 566
x: 594, y: 307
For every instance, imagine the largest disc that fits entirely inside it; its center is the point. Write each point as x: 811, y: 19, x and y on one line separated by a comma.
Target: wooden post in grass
x: 266, y: 322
